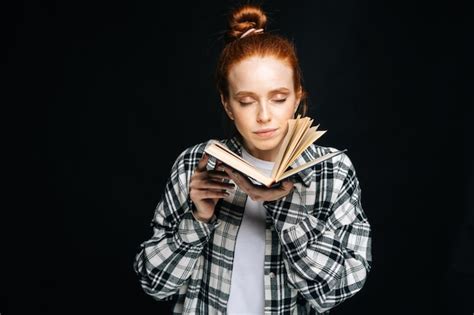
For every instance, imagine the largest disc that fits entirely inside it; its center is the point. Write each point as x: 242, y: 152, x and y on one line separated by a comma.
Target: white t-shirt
x: 247, y: 287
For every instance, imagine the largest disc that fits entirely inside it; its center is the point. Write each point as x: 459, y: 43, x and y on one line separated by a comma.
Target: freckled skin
x: 261, y: 75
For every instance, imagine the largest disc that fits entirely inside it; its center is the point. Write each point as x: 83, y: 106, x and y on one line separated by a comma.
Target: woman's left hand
x: 255, y: 192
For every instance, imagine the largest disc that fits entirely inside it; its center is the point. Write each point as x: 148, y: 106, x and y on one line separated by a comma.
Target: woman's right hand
x: 206, y: 188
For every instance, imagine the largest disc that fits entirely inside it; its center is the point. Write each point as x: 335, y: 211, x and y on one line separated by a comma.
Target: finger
x: 219, y: 165
x: 201, y: 182
x: 205, y: 194
x: 241, y: 180
x: 218, y: 174
x: 212, y: 184
x: 220, y: 178
x: 202, y: 163
x: 287, y: 185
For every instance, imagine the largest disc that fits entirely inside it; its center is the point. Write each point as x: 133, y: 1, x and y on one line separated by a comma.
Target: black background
x: 100, y: 98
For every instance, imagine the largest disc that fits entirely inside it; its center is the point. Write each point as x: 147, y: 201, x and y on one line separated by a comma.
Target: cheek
x: 243, y: 116
x: 242, y: 123
x: 284, y: 112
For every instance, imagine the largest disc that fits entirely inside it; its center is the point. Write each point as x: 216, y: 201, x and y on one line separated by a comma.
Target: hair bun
x: 245, y: 17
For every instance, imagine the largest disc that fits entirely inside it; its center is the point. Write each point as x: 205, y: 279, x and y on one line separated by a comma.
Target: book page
x: 294, y: 146
x: 291, y: 145
x: 283, y: 147
x: 302, y: 136
x: 297, y: 152
x: 309, y: 164
x: 307, y: 141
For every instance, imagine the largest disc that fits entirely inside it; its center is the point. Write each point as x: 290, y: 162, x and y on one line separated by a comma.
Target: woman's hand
x: 206, y: 188
x: 258, y: 193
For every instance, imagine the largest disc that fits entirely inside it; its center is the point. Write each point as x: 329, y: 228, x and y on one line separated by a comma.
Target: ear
x: 227, y: 108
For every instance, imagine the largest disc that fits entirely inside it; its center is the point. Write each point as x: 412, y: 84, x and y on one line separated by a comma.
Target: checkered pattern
x: 318, y: 240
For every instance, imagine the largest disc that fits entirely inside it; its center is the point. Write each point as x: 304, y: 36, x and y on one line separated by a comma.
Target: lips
x: 266, y: 133
x: 265, y: 130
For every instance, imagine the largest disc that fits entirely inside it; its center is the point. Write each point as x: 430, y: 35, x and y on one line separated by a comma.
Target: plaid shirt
x: 318, y: 240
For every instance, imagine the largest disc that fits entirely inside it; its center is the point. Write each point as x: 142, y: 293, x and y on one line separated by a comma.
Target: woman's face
x: 261, y: 98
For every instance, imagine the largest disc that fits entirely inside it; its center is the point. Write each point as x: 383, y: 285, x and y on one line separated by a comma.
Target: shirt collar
x: 305, y: 176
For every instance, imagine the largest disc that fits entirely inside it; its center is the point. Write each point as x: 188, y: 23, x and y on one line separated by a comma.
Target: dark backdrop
x: 100, y: 98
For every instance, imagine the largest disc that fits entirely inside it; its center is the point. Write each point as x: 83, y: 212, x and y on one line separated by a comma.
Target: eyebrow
x: 279, y: 90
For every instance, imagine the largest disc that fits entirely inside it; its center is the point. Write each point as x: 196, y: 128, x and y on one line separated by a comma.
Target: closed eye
x: 242, y: 103
x: 248, y: 103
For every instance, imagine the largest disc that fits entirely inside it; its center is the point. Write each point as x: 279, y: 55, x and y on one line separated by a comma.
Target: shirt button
x: 272, y: 275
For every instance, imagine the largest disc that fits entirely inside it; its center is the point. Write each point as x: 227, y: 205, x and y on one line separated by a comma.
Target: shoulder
x: 340, y: 162
x: 336, y: 174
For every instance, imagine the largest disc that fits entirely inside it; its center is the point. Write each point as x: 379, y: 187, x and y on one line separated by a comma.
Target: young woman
x: 224, y: 245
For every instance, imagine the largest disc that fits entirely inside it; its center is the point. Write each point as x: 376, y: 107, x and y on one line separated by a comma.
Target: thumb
x: 288, y: 184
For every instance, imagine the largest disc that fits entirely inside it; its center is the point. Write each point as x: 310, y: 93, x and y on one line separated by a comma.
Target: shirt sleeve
x: 166, y: 261
x: 327, y: 255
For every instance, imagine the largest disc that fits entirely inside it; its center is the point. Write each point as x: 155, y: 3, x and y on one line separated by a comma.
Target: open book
x: 298, y: 138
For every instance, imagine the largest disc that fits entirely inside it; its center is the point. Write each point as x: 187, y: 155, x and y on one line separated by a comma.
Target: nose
x: 263, y: 114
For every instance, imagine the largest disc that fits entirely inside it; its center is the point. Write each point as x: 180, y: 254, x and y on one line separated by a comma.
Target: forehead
x: 260, y: 74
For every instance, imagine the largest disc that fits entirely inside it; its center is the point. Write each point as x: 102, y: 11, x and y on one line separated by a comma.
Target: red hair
x: 263, y: 44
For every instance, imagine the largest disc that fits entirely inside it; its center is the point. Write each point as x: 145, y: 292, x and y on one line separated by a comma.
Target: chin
x: 266, y: 144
